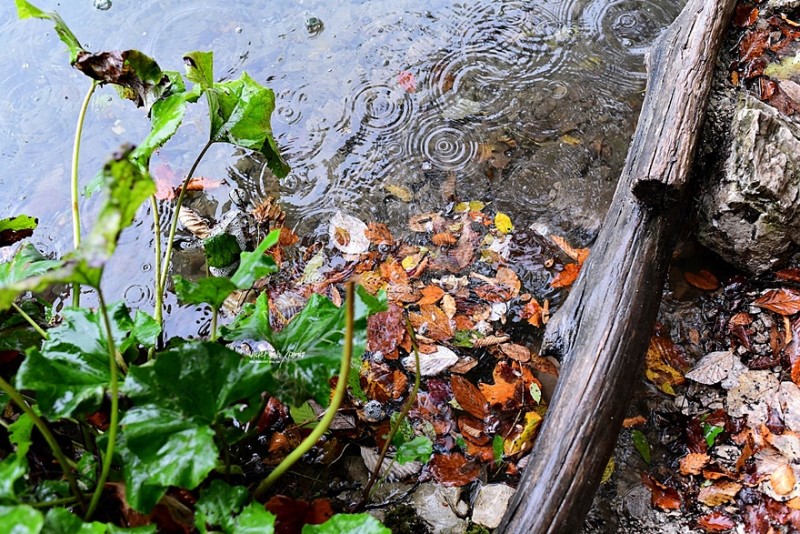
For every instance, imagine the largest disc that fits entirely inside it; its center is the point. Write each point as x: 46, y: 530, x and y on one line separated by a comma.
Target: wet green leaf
x: 255, y: 265
x: 26, y: 10
x: 221, y: 250
x: 418, y: 449
x: 309, y: 348
x: 641, y: 444
x: 254, y: 519
x: 26, y: 263
x: 62, y: 521
x: 348, y: 524
x: 200, y: 68
x: 136, y: 75
x: 145, y: 329
x: 71, y: 371
x: 167, y: 438
x: 218, y: 506
x: 497, y: 449
x: 710, y: 433
x: 15, y: 466
x: 212, y: 290
x: 16, y: 228
x: 21, y: 519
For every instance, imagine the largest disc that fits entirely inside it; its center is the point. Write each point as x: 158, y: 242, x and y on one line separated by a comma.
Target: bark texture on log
x: 603, y: 329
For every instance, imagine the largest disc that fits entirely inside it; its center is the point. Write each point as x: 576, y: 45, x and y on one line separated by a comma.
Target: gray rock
x: 749, y: 216
x: 435, y: 505
x: 777, y: 6
x: 491, y: 504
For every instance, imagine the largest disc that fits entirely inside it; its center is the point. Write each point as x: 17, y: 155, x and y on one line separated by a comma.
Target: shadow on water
x: 529, y: 105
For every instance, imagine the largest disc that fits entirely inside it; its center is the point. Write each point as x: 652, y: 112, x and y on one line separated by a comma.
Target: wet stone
x: 491, y: 504
x: 435, y: 505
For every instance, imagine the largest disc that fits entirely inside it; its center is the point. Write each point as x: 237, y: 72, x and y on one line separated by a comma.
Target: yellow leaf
x: 568, y: 139
x: 400, y: 192
x: 409, y: 262
x: 472, y: 205
x: 608, y: 471
x: 503, y: 223
x: 524, y: 441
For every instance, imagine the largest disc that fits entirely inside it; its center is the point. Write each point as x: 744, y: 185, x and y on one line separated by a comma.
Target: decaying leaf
x: 432, y: 322
x: 782, y: 480
x: 703, y: 279
x: 384, y: 384
x: 785, y: 301
x: 577, y: 254
x: 402, y: 193
x: 524, y: 440
x: 715, y: 367
x: 432, y: 364
x: 348, y: 234
x: 453, y: 469
x: 194, y: 223
x: 469, y: 397
x: 393, y: 471
x: 520, y: 353
x: 716, y: 521
x: 430, y: 295
x: 567, y: 276
x: 720, y: 492
x: 693, y: 463
x: 662, y: 496
x: 664, y: 364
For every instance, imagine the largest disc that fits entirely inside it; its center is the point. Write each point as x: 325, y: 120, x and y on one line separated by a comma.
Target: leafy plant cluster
x: 130, y: 407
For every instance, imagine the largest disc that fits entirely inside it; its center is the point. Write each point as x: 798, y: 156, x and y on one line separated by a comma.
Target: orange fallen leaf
x: 444, y: 239
x: 630, y: 422
x: 384, y: 384
x: 473, y: 430
x: 693, y: 463
x: 716, y: 521
x: 577, y: 254
x: 532, y: 312
x: 661, y: 496
x: 508, y: 391
x: 721, y: 492
x: 453, y: 469
x: 782, y: 479
x: 702, y: 279
x: 201, y: 183
x: 379, y: 234
x: 432, y: 322
x: 567, y: 276
x: 469, y: 397
x: 785, y: 301
x: 430, y: 295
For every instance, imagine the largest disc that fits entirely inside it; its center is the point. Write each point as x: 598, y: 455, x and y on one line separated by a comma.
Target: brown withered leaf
x: 721, y: 492
x: 567, y: 276
x: 453, y: 469
x: 716, y: 521
x: 473, y: 430
x: 516, y: 352
x: 753, y: 45
x: 577, y: 254
x: 784, y: 301
x: 782, y: 479
x: 469, y: 397
x: 703, y: 279
x: 119, y: 67
x: 292, y: 514
x: 508, y: 391
x: 790, y: 274
x: 464, y: 365
x: 481, y: 453
x: 507, y: 278
x: 532, y: 312
x: 661, y: 496
x: 383, y: 384
x: 379, y: 234
x: 664, y: 364
x: 432, y: 322
x: 745, y: 15
x: 430, y: 295
x: 693, y: 463
x: 444, y: 239
x: 385, y: 330
x: 449, y: 307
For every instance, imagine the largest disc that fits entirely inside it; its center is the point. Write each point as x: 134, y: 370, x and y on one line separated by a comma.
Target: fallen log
x: 603, y: 329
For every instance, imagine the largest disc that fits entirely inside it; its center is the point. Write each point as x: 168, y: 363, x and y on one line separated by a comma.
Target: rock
x: 749, y: 215
x: 778, y: 6
x: 435, y: 505
x: 491, y: 504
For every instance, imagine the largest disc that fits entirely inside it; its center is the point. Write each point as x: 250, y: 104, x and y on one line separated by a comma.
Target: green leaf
x: 71, y: 371
x: 145, y: 329
x: 255, y: 265
x: 536, y: 392
x: 15, y: 466
x: 212, y: 290
x: 240, y: 112
x: 218, y: 505
x: 221, y: 250
x: 254, y: 519
x: 348, y: 524
x: 309, y: 348
x: 418, y: 449
x: 497, y: 449
x: 21, y: 519
x: 127, y: 186
x: 136, y: 76
x: 167, y: 438
x: 200, y: 68
x: 26, y: 10
x: 710, y: 433
x: 16, y: 228
x: 404, y: 432
x: 62, y: 521
x: 641, y: 444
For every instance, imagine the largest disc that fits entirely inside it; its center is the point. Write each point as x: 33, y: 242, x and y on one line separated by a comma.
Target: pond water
x: 528, y: 105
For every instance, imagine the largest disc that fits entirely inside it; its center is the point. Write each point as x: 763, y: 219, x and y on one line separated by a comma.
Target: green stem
x: 213, y: 336
x: 55, y: 502
x: 76, y: 150
x: 30, y: 320
x: 16, y: 396
x: 174, y: 224
x: 365, y: 495
x: 159, y: 305
x: 336, y: 402
x: 114, y: 422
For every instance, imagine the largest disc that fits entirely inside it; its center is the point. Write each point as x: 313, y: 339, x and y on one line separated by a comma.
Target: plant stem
x: 114, y: 419
x: 174, y: 224
x: 30, y: 320
x: 16, y: 396
x: 336, y: 402
x: 365, y: 494
x: 157, y: 311
x: 213, y: 336
x: 55, y: 502
x: 76, y: 150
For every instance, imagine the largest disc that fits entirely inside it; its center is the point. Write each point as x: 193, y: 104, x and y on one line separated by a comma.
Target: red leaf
x: 567, y: 276
x: 469, y: 397
x: 292, y: 514
x: 453, y: 469
x: 662, y: 496
x: 702, y: 279
x: 745, y: 15
x: 716, y: 521
x: 406, y: 80
x: 784, y: 301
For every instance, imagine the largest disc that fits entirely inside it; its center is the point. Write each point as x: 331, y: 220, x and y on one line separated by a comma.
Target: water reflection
x: 373, y: 93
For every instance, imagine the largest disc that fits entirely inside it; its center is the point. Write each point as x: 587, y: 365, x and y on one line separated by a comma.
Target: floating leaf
x: 784, y: 301
x: 348, y: 234
x: 16, y: 228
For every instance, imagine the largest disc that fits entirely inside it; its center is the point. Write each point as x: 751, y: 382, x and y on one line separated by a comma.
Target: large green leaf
x: 212, y: 290
x: 167, y: 438
x: 348, y: 524
x: 15, y: 465
x: 255, y: 265
x: 21, y: 519
x: 254, y: 519
x: 71, y: 371
x: 62, y: 521
x: 13, y: 229
x: 200, y: 68
x: 127, y: 186
x: 218, y: 506
x: 26, y: 10
x: 309, y: 348
x: 221, y: 250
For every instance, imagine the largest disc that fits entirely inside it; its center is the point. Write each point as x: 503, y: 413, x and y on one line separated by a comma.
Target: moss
x: 403, y: 519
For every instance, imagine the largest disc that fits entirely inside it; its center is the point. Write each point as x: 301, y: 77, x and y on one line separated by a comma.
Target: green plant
x: 170, y: 404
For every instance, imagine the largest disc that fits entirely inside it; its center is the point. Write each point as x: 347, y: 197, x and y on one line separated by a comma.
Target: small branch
x: 365, y: 494
x: 114, y: 419
x: 30, y: 320
x: 336, y: 402
x: 162, y: 284
x: 16, y: 396
x: 76, y: 150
